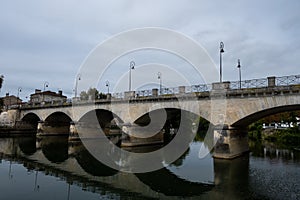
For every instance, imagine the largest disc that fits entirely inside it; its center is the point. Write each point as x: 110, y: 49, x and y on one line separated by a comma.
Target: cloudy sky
x: 49, y: 40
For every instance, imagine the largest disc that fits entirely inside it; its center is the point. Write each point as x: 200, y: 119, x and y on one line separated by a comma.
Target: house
x: 10, y: 101
x: 47, y: 97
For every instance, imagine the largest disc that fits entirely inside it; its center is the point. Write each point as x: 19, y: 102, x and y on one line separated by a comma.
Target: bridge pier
x: 129, y: 139
x: 230, y: 142
x: 73, y: 132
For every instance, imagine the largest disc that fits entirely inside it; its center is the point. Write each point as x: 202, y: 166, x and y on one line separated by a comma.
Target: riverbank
x: 289, y: 137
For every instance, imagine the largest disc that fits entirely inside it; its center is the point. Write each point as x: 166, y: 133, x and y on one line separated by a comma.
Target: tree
x: 84, y: 95
x: 1, y: 80
x: 92, y: 94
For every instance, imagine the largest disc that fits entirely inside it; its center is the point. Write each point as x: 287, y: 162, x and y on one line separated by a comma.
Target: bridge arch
x: 31, y: 119
x: 198, y: 113
x: 60, y: 115
x: 174, y: 117
x: 101, y: 116
x: 247, y: 120
x: 58, y: 122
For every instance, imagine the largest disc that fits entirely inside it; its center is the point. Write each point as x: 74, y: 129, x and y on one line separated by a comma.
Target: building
x: 47, y: 97
x: 10, y: 101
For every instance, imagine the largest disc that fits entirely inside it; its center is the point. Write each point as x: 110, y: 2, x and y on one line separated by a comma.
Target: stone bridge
x: 230, y: 110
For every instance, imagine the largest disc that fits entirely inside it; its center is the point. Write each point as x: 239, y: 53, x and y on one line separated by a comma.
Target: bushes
x: 289, y: 136
x: 255, y: 130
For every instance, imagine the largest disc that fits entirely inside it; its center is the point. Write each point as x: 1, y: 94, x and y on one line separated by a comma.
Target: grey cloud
x: 42, y: 40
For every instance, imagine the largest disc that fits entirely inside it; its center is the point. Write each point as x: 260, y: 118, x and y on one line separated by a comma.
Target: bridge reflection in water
x: 70, y: 161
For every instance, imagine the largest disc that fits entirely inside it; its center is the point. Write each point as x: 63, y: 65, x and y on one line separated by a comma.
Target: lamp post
x: 1, y: 81
x: 131, y: 66
x: 19, y: 90
x: 78, y: 78
x: 240, y: 74
x: 107, y: 85
x: 221, y: 51
x: 46, y: 84
x: 159, y: 76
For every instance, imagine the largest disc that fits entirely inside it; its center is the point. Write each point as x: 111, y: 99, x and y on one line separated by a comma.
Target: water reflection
x: 27, y: 145
x: 55, y: 148
x: 90, y: 164
x: 273, y: 152
x: 69, y: 171
x: 169, y: 184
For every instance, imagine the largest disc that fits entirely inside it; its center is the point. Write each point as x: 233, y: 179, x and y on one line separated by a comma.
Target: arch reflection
x: 89, y: 163
x: 27, y: 145
x: 55, y: 148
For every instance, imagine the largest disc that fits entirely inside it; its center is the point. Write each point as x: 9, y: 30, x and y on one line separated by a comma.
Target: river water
x: 53, y: 168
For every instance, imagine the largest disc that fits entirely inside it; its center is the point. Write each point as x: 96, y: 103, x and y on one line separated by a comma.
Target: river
x: 53, y: 168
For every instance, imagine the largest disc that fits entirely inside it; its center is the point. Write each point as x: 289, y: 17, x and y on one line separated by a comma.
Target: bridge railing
x: 118, y: 95
x: 144, y: 93
x: 254, y: 83
x: 198, y: 88
x: 287, y: 80
x: 167, y: 92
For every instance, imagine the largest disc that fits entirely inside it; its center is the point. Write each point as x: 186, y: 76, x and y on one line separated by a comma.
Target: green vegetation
x: 286, y: 137
x: 92, y: 94
x: 255, y: 130
x: 203, y: 126
x: 289, y: 136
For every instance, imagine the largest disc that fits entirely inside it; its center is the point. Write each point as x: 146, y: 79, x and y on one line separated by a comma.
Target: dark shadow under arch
x: 174, y: 117
x: 31, y: 120
x: 100, y: 116
x: 60, y: 121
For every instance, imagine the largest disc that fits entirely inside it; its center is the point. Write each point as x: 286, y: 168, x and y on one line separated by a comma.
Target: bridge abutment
x: 230, y: 142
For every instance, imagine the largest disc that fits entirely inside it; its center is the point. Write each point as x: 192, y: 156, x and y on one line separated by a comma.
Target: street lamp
x: 221, y: 51
x: 19, y: 90
x: 159, y: 76
x: 46, y: 84
x: 131, y: 66
x: 78, y: 78
x: 1, y: 81
x: 240, y: 74
x: 107, y: 85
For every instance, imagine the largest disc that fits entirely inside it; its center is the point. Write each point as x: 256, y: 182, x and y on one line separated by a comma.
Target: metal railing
x: 233, y: 85
x: 287, y: 80
x: 198, y: 88
x: 254, y: 83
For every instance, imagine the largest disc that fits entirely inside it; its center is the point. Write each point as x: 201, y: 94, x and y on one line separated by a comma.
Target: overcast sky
x: 49, y: 40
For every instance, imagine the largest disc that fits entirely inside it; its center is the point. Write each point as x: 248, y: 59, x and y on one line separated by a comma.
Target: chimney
x: 7, y: 94
x: 60, y: 92
x: 38, y: 91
